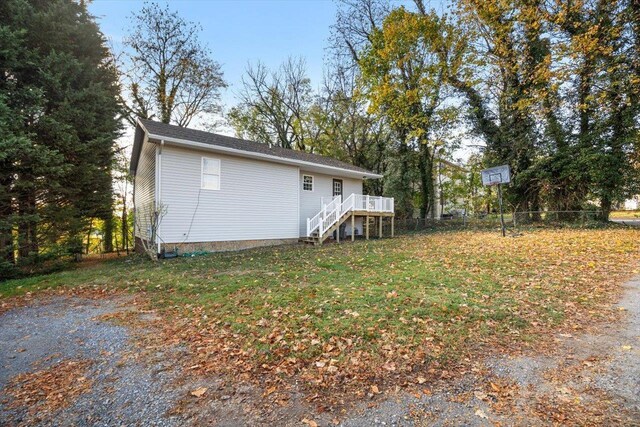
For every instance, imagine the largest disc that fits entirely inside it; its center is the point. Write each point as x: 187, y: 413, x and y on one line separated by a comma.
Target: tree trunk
x: 125, y: 226
x: 33, y: 236
x: 535, y: 208
x: 426, y: 182
x: 89, y: 237
x: 6, y: 241
x: 108, y: 234
x: 115, y: 239
x: 27, y: 236
x: 406, y: 205
x: 605, y: 206
x: 6, y: 226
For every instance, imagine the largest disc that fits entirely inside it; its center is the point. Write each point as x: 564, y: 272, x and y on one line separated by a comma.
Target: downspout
x: 159, y: 197
x: 135, y: 211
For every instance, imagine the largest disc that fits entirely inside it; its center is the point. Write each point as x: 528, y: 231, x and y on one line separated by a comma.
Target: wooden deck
x: 367, y: 216
x: 338, y: 212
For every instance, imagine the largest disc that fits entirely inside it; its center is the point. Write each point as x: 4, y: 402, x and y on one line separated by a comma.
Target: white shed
x: 197, y: 190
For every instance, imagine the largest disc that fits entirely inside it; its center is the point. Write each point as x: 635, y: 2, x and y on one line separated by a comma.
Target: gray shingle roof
x: 171, y: 131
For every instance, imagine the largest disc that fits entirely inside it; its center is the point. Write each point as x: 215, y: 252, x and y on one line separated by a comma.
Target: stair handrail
x: 348, y: 204
x: 335, y: 215
x: 328, y: 221
x: 315, y: 222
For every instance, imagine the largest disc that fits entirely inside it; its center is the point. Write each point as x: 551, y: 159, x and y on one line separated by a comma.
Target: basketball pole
x: 501, y: 213
x: 497, y: 175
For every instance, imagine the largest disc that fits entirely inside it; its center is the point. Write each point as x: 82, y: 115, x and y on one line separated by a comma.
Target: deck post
x: 392, y: 224
x: 353, y: 227
x: 367, y: 227
x: 380, y: 226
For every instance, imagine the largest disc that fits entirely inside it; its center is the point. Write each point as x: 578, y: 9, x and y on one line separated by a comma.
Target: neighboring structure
x: 450, y: 189
x: 632, y: 204
x: 196, y: 190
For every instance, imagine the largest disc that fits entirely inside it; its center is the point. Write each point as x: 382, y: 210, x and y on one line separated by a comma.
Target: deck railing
x: 334, y: 210
x: 373, y: 203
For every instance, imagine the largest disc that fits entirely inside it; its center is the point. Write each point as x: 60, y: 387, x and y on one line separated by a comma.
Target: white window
x: 210, y: 174
x: 307, y: 182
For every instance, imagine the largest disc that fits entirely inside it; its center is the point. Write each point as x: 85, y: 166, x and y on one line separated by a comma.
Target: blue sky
x: 241, y: 31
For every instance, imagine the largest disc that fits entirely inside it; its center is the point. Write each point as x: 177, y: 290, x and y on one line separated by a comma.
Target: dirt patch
x: 42, y: 297
x: 592, y: 379
x: 80, y: 361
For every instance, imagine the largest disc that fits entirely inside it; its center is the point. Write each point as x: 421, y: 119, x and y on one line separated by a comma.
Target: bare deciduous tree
x: 170, y: 74
x: 345, y: 127
x: 274, y: 105
x: 356, y: 21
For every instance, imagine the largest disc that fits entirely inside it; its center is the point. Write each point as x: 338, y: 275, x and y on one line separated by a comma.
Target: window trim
x: 312, y: 182
x: 202, y: 173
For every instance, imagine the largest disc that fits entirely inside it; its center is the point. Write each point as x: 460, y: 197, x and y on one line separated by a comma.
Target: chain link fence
x: 513, y: 221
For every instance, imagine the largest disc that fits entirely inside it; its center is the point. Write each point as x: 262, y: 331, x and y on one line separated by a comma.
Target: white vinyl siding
x: 310, y: 202
x: 257, y: 200
x: 144, y: 190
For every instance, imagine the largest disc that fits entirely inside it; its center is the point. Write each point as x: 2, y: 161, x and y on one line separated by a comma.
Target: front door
x: 337, y: 187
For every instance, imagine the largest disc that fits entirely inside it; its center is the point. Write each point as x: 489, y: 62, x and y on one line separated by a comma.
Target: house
x: 196, y: 190
x: 632, y: 204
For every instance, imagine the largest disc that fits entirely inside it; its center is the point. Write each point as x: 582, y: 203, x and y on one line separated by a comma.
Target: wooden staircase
x: 313, y: 238
x: 336, y: 212
x: 316, y: 239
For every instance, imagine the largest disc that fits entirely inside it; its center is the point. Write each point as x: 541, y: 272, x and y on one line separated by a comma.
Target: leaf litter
x: 406, y: 312
x: 51, y: 389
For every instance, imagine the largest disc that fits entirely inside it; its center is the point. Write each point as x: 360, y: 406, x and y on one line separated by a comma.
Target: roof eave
x: 138, y: 141
x: 262, y: 156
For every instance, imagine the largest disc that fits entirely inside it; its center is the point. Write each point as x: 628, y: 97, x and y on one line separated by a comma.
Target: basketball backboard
x: 496, y: 175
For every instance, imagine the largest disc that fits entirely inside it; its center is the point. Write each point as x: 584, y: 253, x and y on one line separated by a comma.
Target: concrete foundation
x: 235, y: 245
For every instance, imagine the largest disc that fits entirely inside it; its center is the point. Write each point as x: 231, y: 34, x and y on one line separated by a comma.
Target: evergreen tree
x: 58, y: 103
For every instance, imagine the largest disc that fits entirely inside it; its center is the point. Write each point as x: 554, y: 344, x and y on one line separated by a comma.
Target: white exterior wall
x: 311, y: 201
x: 144, y: 190
x: 632, y: 204
x: 257, y: 200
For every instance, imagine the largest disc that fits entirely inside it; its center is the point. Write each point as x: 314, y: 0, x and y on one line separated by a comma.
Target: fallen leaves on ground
x: 341, y: 319
x: 199, y: 392
x: 422, y: 304
x: 50, y: 389
x: 309, y: 422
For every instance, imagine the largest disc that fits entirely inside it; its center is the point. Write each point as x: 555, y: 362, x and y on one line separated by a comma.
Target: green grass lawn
x: 625, y: 215
x: 353, y: 308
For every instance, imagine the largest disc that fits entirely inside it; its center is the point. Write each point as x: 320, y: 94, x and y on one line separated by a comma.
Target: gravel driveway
x: 126, y: 391
x: 593, y: 377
